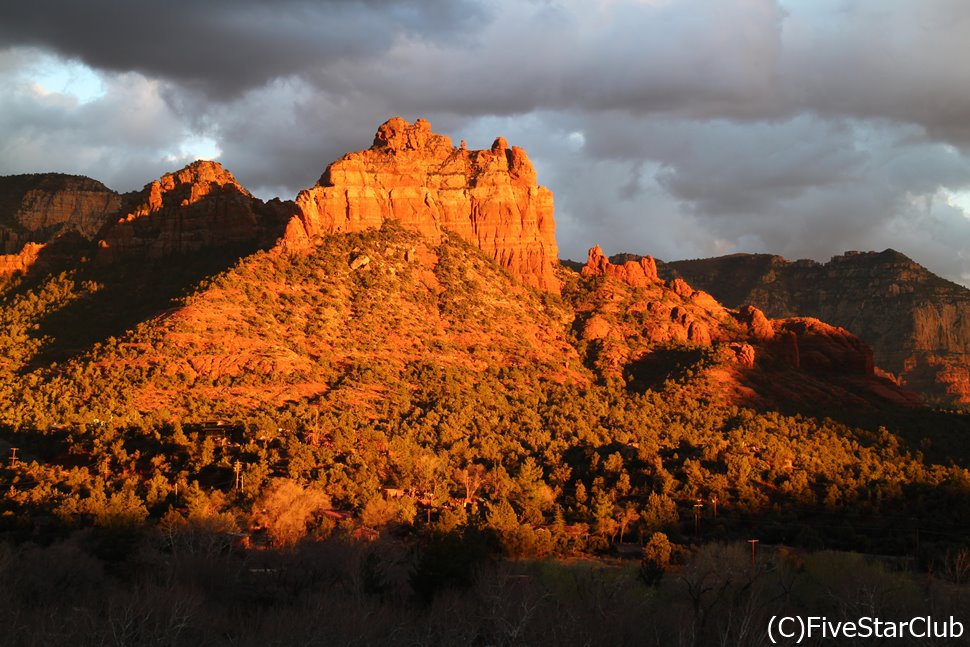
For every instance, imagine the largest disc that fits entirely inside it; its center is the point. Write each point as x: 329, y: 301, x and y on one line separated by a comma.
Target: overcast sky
x: 679, y: 129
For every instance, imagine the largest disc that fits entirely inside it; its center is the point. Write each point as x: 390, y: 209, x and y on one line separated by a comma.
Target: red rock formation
x: 198, y: 207
x: 698, y: 333
x: 637, y: 329
x: 744, y: 354
x: 83, y: 209
x: 756, y: 322
x: 917, y: 323
x: 821, y: 347
x: 412, y: 175
x: 636, y: 274
x: 40, y: 208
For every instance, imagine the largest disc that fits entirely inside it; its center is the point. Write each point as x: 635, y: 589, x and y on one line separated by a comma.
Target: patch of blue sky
x: 52, y: 74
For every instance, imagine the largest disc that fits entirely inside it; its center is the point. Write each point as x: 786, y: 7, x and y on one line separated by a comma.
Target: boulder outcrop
x: 756, y: 323
x: 817, y: 346
x: 637, y: 274
x: 412, y: 175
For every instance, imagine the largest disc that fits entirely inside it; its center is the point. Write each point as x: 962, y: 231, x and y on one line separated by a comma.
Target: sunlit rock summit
x: 412, y: 175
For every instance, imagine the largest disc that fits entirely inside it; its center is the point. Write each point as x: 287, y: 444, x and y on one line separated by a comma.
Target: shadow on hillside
x: 940, y: 436
x: 126, y: 293
x: 663, y: 365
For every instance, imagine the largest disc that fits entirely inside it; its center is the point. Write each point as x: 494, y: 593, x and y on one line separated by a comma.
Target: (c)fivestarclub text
x: 799, y: 628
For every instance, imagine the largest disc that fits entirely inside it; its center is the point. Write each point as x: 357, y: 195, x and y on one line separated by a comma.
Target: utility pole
x: 237, y: 468
x: 917, y: 546
x: 13, y: 457
x: 697, y: 517
x: 915, y: 521
x: 714, y: 504
x: 753, y: 543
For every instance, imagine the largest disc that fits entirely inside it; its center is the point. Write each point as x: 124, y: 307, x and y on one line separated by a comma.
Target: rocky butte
x: 412, y: 175
x: 198, y: 207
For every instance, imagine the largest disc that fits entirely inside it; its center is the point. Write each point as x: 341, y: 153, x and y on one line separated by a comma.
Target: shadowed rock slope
x: 917, y: 323
x: 200, y: 207
x: 34, y: 208
x: 37, y: 208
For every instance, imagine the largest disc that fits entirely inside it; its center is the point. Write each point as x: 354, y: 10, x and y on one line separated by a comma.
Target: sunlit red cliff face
x: 412, y: 175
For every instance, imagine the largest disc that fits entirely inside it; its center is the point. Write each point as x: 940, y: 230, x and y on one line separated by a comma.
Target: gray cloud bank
x: 676, y: 128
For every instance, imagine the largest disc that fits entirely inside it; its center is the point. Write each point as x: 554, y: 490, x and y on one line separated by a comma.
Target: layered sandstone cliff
x: 34, y: 208
x: 917, y: 323
x: 198, y: 207
x: 412, y: 175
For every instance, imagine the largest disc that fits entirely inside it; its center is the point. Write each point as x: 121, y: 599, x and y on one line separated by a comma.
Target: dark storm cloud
x: 894, y: 59
x: 586, y: 56
x: 222, y: 47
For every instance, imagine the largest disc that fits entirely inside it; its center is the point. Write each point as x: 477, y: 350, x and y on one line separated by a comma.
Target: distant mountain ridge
x: 917, y: 323
x: 36, y: 207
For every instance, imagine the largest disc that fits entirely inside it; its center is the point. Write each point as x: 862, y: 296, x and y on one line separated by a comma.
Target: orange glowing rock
x: 416, y: 177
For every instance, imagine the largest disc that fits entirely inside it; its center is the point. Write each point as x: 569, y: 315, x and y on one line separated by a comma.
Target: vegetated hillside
x: 917, y: 323
x: 279, y: 327
x: 402, y: 382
